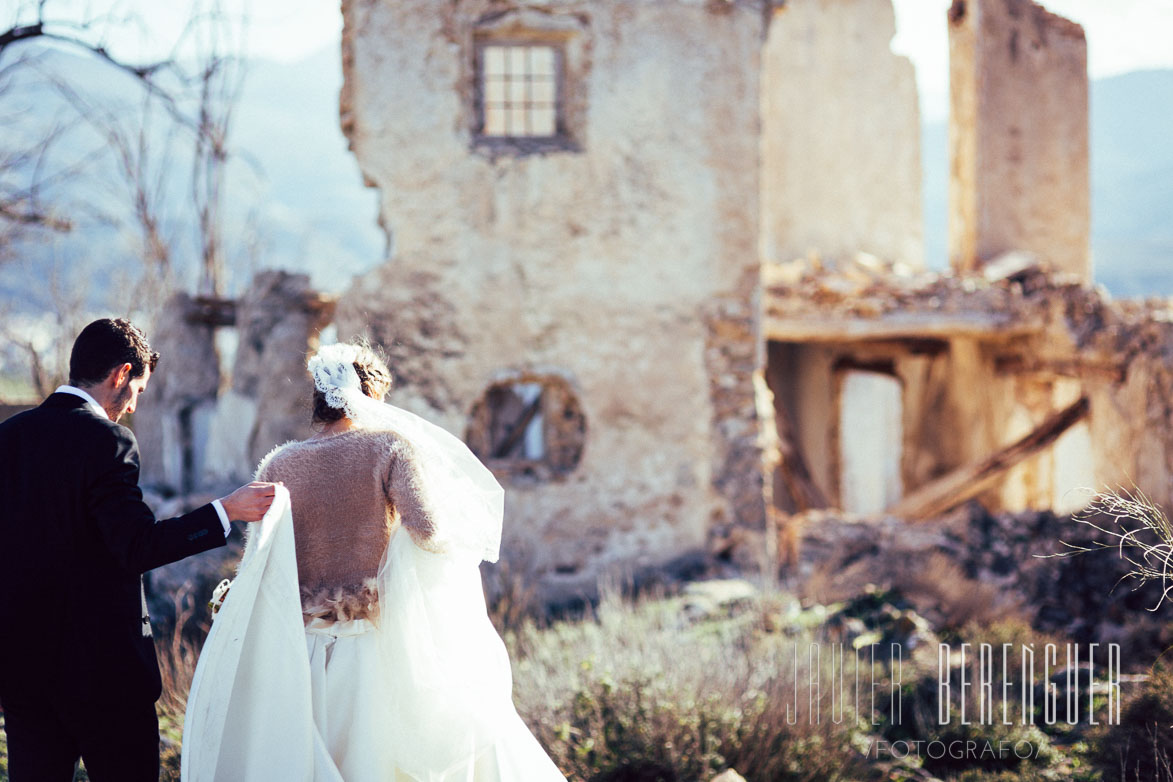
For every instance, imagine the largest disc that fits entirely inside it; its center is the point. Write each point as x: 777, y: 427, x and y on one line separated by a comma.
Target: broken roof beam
x: 211, y: 311
x: 966, y: 482
x: 792, y: 466
x: 902, y: 325
x: 1078, y: 367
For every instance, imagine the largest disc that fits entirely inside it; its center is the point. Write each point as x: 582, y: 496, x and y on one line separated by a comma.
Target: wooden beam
x: 966, y: 482
x: 1114, y: 371
x: 211, y: 311
x: 898, y: 326
x: 792, y: 465
x: 517, y: 431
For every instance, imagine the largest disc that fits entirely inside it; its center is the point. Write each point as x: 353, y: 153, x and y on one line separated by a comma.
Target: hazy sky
x: 1123, y: 35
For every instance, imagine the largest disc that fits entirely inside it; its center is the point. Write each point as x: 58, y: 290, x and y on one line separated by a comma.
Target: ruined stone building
x: 579, y: 195
x: 1012, y: 379
x: 659, y: 262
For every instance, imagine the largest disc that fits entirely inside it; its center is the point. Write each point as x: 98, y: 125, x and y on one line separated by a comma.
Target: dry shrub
x: 178, y: 651
x: 638, y: 692
x: 952, y: 598
x: 3, y: 749
x: 1141, y: 747
x: 512, y: 598
x: 921, y: 720
x: 1137, y: 529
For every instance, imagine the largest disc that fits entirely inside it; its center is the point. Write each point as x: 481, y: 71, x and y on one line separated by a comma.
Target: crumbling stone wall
x: 840, y: 131
x: 983, y: 361
x: 278, y: 320
x: 599, y: 261
x: 1018, y: 135
x: 733, y: 355
x: 172, y: 426
x: 977, y: 565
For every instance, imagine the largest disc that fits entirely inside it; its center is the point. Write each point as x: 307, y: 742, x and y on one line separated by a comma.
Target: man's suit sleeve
x: 137, y: 540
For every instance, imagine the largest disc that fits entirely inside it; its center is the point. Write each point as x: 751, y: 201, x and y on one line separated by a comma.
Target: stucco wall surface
x: 600, y: 264
x: 841, y: 167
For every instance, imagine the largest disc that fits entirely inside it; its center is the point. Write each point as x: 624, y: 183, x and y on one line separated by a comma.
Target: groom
x: 78, y: 674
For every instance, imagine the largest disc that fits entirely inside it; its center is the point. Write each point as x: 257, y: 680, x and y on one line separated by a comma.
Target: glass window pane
x: 542, y: 122
x: 517, y: 59
x: 517, y: 125
x: 517, y: 92
x: 494, y: 60
x: 541, y: 61
x: 542, y: 91
x: 494, y: 121
x: 495, y: 91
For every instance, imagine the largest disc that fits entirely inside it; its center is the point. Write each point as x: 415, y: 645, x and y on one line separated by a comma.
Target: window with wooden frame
x: 529, y: 427
x: 519, y: 85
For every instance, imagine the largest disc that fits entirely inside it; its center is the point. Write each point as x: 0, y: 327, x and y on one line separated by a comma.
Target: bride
x: 354, y: 643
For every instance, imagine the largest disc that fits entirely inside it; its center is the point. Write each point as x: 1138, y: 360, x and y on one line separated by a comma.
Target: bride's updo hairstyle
x: 374, y: 376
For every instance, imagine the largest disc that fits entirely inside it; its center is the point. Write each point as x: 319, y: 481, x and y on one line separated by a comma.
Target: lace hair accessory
x: 466, y: 499
x: 332, y: 368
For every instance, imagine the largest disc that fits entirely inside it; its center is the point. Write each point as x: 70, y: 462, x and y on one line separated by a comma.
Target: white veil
x: 427, y: 692
x: 446, y: 708
x: 465, y: 498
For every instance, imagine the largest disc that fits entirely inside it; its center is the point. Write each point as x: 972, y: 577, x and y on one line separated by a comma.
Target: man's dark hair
x: 105, y: 345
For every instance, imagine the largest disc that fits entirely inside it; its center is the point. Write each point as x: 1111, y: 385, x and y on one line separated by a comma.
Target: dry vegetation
x: 646, y: 690
x: 1137, y: 529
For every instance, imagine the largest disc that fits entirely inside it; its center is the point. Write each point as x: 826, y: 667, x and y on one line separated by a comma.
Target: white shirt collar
x: 89, y: 399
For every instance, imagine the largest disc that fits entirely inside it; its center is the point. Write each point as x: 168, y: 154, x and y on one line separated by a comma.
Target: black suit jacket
x: 75, y: 538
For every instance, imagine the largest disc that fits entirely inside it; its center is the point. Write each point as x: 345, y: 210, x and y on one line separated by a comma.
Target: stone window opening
x: 530, y: 428
x: 518, y: 87
x: 526, y: 74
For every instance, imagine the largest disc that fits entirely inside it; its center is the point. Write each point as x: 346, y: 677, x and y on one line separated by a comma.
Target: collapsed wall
x: 982, y: 363
x: 174, y: 425
x: 278, y: 320
x: 973, y: 566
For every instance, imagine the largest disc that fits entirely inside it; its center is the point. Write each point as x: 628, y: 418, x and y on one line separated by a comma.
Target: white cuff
x: 223, y: 514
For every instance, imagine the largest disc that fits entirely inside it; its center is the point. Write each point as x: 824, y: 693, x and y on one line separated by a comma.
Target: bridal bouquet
x: 218, y: 595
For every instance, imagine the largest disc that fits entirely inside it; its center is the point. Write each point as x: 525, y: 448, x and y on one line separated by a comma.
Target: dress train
x: 422, y: 694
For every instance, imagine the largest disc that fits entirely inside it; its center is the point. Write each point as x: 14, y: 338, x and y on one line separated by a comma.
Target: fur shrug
x: 349, y: 492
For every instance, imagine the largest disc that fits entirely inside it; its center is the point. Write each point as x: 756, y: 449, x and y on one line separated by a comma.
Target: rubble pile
x: 995, y: 366
x: 1013, y: 292
x: 867, y: 287
x: 977, y: 566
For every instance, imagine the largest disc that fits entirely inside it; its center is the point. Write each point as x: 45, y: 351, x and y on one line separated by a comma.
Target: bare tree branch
x: 184, y: 111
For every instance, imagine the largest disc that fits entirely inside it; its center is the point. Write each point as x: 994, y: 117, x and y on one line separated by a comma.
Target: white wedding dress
x: 422, y: 694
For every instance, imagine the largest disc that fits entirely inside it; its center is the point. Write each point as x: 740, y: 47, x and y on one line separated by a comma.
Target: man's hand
x: 249, y: 503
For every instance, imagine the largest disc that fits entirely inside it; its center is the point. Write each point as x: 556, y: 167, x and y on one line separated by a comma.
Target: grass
x: 1141, y: 747
x: 638, y: 692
